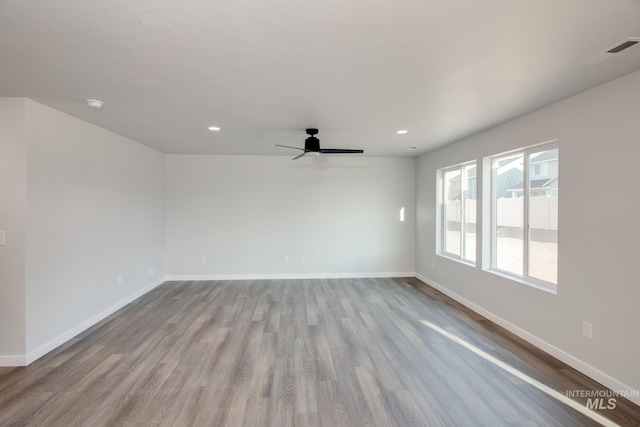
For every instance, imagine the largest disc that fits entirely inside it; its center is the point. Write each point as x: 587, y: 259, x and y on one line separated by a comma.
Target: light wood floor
x: 349, y: 352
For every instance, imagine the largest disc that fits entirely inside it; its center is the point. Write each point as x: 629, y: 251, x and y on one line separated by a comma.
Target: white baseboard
x: 20, y: 360
x: 277, y: 276
x: 574, y: 362
x: 61, y: 339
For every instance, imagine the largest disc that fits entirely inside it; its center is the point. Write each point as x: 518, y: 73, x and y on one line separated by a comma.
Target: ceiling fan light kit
x: 312, y: 147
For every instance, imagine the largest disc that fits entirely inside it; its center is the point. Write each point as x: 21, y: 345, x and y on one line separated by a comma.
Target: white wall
x: 244, y: 214
x: 95, y: 212
x: 599, y: 236
x: 13, y: 208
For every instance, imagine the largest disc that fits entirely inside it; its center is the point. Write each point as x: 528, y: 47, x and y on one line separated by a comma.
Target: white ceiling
x: 265, y: 70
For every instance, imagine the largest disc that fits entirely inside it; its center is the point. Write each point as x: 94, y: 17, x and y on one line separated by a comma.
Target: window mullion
x: 463, y: 186
x: 494, y: 215
x: 445, y: 196
x: 525, y: 215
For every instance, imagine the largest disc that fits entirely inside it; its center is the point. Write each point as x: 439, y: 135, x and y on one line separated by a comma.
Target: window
x: 539, y: 169
x: 524, y: 214
x: 457, y: 225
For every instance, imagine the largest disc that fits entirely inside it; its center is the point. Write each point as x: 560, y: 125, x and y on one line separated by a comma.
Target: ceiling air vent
x: 623, y: 46
x: 612, y: 51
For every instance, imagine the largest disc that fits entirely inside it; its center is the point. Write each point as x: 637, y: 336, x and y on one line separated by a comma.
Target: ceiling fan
x: 312, y: 147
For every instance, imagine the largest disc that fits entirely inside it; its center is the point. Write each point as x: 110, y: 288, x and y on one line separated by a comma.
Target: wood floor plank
x: 330, y: 409
x: 312, y: 352
x: 375, y: 397
x: 324, y: 361
x: 257, y: 412
x: 305, y: 377
x: 262, y: 380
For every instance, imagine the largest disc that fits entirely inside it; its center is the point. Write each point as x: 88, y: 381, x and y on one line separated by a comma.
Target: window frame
x: 442, y: 223
x: 526, y: 152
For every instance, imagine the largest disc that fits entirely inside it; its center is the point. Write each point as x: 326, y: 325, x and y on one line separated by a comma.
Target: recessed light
x: 401, y: 131
x: 214, y: 128
x: 94, y: 103
x: 412, y: 148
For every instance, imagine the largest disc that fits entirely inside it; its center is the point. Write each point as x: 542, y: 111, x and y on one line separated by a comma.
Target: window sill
x: 522, y: 281
x: 460, y: 260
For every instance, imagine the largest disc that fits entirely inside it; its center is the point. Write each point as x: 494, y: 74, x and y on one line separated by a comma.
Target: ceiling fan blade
x: 340, y: 151
x: 288, y: 146
x: 300, y: 155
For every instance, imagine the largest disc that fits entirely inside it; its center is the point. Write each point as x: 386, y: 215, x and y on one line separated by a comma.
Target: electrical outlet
x: 433, y: 264
x: 302, y: 259
x: 285, y: 258
x: 587, y: 330
x: 119, y: 280
x: 151, y: 271
x: 203, y: 260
